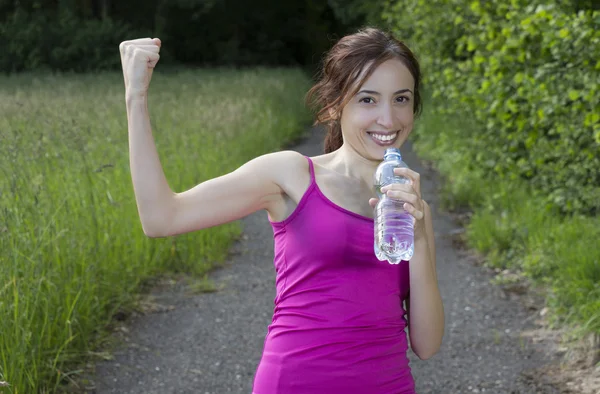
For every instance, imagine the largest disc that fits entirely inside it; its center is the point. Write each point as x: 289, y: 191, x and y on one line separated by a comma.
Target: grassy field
x: 515, y: 230
x: 72, y: 251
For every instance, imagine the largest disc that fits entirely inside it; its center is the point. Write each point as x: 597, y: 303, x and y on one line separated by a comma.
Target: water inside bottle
x: 394, y: 238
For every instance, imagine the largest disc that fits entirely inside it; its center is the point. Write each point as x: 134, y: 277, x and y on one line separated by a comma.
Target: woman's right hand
x: 138, y: 58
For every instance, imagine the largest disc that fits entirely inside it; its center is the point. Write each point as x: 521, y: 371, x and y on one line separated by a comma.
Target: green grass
x: 72, y: 251
x: 513, y: 226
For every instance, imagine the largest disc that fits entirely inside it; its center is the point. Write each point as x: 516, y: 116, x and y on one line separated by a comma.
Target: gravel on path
x: 211, y: 343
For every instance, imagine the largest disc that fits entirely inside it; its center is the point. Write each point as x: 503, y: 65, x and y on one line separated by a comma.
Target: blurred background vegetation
x: 81, y: 35
x: 511, y: 121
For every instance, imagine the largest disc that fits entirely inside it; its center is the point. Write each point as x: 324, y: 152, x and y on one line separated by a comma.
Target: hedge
x: 528, y: 73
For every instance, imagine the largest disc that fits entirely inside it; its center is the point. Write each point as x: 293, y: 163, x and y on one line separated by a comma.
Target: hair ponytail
x: 333, y: 138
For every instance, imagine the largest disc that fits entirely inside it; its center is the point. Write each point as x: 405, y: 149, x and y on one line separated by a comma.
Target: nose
x: 386, y: 117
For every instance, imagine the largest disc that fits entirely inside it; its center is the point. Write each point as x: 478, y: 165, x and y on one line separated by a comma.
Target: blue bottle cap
x: 389, y: 152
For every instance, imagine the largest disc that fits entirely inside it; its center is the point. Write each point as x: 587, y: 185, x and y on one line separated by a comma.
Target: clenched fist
x: 138, y: 58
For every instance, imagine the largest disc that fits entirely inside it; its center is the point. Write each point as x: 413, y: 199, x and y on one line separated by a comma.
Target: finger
x: 406, y: 171
x: 150, y: 48
x: 125, y: 45
x: 139, y: 41
x: 398, y: 186
x: 132, y: 49
x: 150, y: 57
x: 414, y: 176
x: 373, y: 202
x: 403, y: 196
x: 413, y: 211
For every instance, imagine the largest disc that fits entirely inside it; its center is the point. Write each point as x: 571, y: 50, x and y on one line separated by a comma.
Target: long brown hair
x: 346, y: 66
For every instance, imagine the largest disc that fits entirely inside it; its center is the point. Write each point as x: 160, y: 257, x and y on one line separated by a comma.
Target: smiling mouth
x: 383, y: 139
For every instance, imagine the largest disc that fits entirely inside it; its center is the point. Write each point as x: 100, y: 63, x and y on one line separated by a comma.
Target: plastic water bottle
x: 394, y: 228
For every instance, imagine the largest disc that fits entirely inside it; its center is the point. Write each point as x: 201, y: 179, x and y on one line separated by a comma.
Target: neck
x: 349, y: 162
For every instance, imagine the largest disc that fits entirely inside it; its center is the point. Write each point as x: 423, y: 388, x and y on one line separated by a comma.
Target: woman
x: 339, y: 320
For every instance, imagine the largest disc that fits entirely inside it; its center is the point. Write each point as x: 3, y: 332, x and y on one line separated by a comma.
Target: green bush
x: 82, y: 35
x: 60, y: 41
x: 529, y: 75
x: 514, y: 227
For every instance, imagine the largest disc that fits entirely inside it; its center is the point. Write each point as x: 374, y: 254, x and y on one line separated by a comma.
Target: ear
x: 333, y: 113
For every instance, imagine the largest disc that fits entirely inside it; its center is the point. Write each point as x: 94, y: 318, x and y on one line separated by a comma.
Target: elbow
x: 156, y: 225
x: 427, y: 350
x: 152, y: 233
x: 427, y: 354
x: 153, y: 229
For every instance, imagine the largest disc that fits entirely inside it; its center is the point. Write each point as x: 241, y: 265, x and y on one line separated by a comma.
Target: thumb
x: 373, y: 202
x: 153, y: 59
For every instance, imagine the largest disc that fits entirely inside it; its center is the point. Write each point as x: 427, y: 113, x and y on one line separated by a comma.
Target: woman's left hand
x: 410, y: 193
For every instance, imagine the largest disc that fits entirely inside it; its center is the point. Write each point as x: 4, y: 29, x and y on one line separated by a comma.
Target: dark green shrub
x: 60, y: 41
x: 529, y: 74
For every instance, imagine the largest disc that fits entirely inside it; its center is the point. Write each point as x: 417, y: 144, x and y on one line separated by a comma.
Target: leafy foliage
x: 529, y: 74
x: 60, y: 41
x: 84, y: 35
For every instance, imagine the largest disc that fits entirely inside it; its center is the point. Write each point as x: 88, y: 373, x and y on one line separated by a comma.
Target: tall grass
x: 72, y: 250
x: 513, y: 226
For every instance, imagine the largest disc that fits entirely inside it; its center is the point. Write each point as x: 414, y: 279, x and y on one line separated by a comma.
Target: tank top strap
x: 312, y: 170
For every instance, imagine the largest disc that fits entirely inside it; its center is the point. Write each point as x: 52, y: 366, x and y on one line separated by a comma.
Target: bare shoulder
x: 284, y: 165
x: 289, y: 171
x: 286, y: 156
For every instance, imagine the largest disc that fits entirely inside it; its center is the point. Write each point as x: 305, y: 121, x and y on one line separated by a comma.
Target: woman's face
x: 380, y: 115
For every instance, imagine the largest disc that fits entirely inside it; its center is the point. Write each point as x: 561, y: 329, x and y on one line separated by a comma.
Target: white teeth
x: 384, y: 138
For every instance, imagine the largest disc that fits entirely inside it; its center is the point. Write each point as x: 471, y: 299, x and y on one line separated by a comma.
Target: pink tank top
x: 338, y: 323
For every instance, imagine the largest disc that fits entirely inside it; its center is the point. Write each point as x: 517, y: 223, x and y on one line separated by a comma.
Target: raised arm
x: 252, y: 187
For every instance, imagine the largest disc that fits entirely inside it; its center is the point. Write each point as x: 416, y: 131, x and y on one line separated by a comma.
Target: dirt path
x: 211, y: 343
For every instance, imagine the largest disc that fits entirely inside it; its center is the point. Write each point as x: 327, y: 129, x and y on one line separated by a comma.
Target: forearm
x: 426, y: 311
x: 153, y: 195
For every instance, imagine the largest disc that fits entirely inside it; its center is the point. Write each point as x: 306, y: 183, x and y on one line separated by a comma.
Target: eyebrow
x: 379, y: 94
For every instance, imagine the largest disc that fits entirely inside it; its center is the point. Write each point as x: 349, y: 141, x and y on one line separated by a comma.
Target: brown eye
x: 362, y: 100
